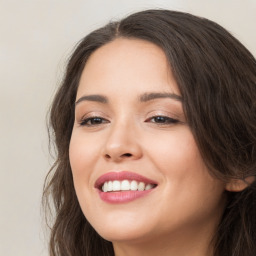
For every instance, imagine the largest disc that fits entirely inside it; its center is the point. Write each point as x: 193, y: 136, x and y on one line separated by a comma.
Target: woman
x: 154, y: 126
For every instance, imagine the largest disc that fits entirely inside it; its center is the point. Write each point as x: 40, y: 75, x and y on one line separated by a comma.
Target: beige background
x: 36, y: 37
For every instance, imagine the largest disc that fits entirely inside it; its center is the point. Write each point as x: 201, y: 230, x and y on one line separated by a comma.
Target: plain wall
x: 36, y: 38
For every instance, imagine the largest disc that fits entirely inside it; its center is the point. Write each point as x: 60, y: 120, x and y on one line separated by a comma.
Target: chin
x: 118, y: 235
x: 121, y: 229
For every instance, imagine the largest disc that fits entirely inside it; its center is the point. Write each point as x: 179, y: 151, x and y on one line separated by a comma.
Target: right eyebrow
x: 158, y: 95
x: 93, y: 97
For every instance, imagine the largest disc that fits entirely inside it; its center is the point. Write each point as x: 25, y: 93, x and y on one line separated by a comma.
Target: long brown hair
x: 216, y: 75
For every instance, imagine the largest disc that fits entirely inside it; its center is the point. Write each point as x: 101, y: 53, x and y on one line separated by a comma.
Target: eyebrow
x: 94, y: 97
x: 158, y: 95
x: 143, y: 98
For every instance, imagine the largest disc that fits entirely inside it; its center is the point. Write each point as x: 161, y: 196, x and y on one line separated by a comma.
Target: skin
x: 179, y: 217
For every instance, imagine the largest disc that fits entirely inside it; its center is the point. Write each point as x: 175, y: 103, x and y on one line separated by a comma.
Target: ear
x: 237, y: 185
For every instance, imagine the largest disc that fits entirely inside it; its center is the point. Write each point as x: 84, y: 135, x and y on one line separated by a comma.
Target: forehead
x: 132, y: 63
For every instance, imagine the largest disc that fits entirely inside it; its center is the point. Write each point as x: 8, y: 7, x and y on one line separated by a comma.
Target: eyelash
x: 86, y: 121
x: 163, y: 120
x: 158, y: 119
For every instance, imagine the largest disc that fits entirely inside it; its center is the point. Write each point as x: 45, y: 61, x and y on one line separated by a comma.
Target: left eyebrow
x: 158, y: 95
x: 94, y: 97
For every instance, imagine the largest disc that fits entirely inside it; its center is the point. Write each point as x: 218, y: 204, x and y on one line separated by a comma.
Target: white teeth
x: 134, y: 185
x: 149, y: 186
x: 125, y: 185
x: 116, y: 185
x: 141, y: 186
x: 110, y: 185
x: 105, y: 187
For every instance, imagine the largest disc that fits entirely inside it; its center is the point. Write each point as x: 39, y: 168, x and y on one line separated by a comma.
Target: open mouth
x: 125, y: 185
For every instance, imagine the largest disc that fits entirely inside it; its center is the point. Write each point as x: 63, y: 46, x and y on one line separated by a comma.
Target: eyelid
x: 166, y: 119
x: 162, y: 113
x: 91, y: 115
x: 84, y: 122
x: 169, y: 120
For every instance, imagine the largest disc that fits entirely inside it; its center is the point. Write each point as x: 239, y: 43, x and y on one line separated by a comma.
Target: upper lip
x: 122, y: 175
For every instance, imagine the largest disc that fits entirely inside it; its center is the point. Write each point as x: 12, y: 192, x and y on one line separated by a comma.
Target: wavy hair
x: 216, y: 75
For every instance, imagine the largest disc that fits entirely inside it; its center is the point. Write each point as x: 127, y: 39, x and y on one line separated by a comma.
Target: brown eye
x: 92, y: 121
x: 162, y: 120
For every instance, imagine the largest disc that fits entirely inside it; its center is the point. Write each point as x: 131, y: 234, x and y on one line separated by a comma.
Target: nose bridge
x: 121, y: 142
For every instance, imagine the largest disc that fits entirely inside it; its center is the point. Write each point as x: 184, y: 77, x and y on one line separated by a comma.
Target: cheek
x: 185, y: 175
x: 82, y: 153
x: 175, y: 152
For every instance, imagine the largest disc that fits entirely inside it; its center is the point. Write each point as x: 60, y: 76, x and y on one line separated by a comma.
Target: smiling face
x: 130, y: 135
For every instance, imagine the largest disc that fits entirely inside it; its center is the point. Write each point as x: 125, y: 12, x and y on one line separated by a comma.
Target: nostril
x: 118, y: 157
x: 126, y: 155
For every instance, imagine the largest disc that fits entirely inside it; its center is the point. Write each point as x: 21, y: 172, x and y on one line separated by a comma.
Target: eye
x: 93, y: 121
x: 162, y: 120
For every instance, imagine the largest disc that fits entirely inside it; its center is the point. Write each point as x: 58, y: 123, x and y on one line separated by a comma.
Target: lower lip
x: 122, y: 196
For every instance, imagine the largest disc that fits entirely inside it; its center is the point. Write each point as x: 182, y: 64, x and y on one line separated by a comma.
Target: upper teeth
x: 125, y: 185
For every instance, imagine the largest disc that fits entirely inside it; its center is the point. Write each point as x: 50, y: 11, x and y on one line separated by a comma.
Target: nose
x: 122, y: 144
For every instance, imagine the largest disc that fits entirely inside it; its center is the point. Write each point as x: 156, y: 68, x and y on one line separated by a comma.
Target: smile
x: 126, y: 185
x: 121, y: 187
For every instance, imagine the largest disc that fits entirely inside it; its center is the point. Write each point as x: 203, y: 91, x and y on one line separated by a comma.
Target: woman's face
x: 130, y: 135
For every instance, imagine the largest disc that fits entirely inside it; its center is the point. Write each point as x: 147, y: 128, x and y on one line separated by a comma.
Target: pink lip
x: 122, y: 196
x: 124, y: 175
